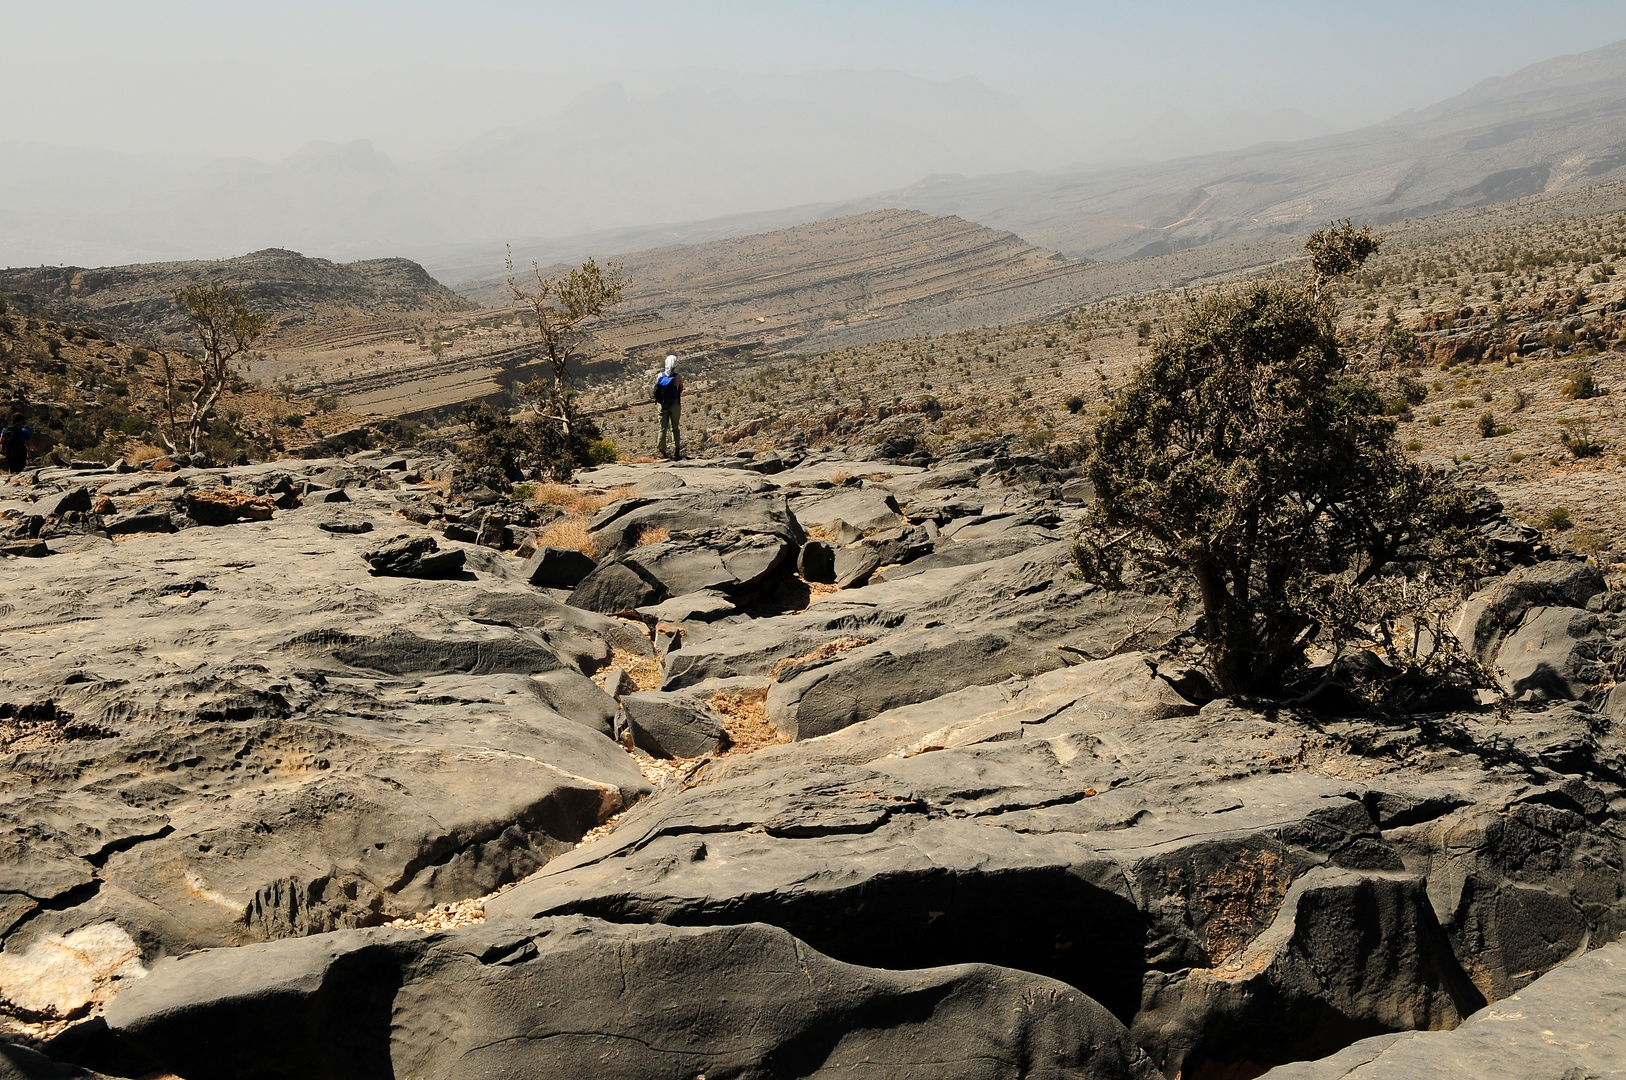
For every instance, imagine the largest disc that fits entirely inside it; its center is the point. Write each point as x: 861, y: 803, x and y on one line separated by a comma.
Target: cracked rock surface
x: 973, y: 830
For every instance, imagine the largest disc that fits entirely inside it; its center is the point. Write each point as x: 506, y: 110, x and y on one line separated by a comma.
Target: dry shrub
x: 745, y: 717
x: 135, y: 454
x: 570, y: 532
x: 840, y: 477
x: 653, y: 534
x: 581, y: 501
x: 823, y: 652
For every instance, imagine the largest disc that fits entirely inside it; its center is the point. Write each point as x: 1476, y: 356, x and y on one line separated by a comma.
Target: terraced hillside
x: 749, y: 295
x: 776, y: 288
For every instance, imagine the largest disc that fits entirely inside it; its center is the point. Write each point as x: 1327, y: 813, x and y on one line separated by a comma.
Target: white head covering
x: 671, y: 362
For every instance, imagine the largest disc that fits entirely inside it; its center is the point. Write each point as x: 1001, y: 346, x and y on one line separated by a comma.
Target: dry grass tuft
x: 840, y: 477
x: 139, y: 452
x: 653, y: 534
x: 570, y: 532
x: 579, y: 501
x: 745, y: 718
x: 823, y: 652
x: 645, y: 671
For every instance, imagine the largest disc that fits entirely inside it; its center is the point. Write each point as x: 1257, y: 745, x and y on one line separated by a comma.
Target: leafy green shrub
x: 294, y: 420
x: 1256, y: 375
x: 602, y: 452
x: 1559, y: 518
x: 524, y: 491
x: 1414, y: 446
x: 1487, y: 425
x: 1075, y: 404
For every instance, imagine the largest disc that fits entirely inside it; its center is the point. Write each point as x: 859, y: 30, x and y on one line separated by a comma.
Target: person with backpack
x: 669, y: 395
x: 16, y: 442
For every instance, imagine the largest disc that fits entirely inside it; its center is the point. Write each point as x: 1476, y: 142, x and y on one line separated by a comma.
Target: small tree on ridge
x: 226, y: 328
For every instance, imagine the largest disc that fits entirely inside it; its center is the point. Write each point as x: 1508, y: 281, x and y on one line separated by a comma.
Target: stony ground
x: 437, y: 797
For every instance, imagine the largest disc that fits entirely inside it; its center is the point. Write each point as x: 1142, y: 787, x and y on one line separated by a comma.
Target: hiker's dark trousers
x: 669, y: 415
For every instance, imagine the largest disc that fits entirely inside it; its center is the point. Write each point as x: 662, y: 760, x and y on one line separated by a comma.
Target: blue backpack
x: 666, y: 389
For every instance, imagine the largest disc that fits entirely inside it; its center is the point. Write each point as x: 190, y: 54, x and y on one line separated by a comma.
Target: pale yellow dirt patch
x: 823, y: 652
x: 645, y: 671
x: 745, y: 717
x: 817, y: 591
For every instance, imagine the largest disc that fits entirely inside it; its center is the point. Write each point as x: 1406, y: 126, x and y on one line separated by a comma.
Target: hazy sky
x: 224, y: 78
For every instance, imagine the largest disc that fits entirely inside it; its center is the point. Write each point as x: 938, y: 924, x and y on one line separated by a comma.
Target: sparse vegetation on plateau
x: 1244, y: 460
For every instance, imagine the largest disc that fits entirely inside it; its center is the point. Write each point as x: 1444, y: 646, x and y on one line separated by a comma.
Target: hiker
x: 16, y: 442
x: 669, y: 394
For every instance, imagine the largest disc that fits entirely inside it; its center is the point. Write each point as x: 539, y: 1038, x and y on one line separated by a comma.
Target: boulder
x: 327, y: 495
x: 900, y: 670
x: 613, y: 589
x: 816, y: 562
x: 578, y: 997
x: 557, y: 568
x: 415, y: 557
x: 1567, y: 1024
x: 21, y: 1063
x: 222, y: 507
x: 1491, y: 614
x: 1554, y: 654
x: 618, y: 684
x: 152, y: 518
x: 576, y: 697
x: 663, y: 726
x: 75, y: 499
x: 351, y: 526
x: 704, y: 606
x: 714, y: 519
x: 865, y: 509
x: 855, y: 563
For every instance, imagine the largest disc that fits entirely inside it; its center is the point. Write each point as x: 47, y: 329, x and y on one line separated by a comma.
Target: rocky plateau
x: 822, y: 765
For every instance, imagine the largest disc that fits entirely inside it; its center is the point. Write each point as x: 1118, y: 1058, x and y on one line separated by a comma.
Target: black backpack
x: 666, y: 389
x: 13, y: 440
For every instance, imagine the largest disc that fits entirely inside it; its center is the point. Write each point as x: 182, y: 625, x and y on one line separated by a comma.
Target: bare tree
x: 226, y: 327
x: 560, y: 304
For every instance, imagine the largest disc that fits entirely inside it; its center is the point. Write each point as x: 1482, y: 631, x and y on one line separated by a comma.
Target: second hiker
x: 669, y: 395
x: 16, y: 441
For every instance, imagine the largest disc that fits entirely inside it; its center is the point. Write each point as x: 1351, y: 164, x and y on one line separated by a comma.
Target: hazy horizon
x: 185, y: 130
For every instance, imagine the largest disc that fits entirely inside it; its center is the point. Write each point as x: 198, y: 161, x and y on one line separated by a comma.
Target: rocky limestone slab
x: 243, y: 734
x: 579, y: 997
x: 1240, y: 888
x: 1569, y: 1023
